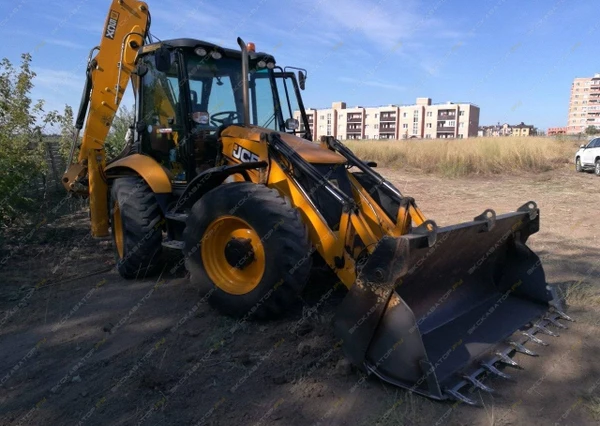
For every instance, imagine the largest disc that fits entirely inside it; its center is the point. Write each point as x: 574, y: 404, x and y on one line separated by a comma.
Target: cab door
x: 290, y: 102
x: 587, y: 158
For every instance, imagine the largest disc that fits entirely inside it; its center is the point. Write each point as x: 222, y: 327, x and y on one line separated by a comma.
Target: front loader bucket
x: 436, y: 311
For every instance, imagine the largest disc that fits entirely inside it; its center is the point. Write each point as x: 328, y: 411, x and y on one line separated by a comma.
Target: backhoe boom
x: 107, y: 74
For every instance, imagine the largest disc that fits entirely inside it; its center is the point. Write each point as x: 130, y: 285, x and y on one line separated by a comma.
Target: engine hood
x: 310, y: 151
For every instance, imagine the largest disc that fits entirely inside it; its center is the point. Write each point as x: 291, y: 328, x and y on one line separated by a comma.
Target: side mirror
x: 581, y: 146
x: 301, y: 80
x: 291, y: 124
x: 162, y: 57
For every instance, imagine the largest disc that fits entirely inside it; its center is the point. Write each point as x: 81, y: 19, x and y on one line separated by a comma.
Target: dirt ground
x: 80, y: 345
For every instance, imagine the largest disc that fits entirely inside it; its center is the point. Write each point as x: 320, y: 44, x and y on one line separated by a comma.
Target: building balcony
x: 353, y: 130
x: 445, y: 115
x: 446, y: 129
x: 354, y: 119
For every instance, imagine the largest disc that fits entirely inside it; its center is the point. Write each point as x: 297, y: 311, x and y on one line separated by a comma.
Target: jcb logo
x: 243, y: 154
x: 111, y: 25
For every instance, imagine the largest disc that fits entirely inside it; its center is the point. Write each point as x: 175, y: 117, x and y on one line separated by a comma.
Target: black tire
x: 283, y: 237
x: 132, y: 200
x: 578, y: 166
x: 597, y: 167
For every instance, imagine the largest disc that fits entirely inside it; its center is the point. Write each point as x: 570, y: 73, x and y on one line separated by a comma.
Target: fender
x: 212, y: 178
x: 153, y: 173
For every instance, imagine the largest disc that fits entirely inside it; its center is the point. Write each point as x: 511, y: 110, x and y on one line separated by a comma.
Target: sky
x: 515, y: 59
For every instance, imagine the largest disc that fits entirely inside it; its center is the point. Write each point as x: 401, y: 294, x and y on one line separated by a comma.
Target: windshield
x: 215, y: 91
x: 217, y: 96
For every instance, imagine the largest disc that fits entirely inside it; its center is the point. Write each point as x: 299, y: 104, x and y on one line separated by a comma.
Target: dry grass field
x: 457, y: 157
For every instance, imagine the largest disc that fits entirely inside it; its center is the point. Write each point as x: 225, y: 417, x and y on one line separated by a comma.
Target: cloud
x: 65, y: 43
x: 57, y: 80
x: 385, y: 23
x: 372, y: 83
x: 175, y: 20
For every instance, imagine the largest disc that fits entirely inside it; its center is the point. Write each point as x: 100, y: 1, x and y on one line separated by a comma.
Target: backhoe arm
x: 107, y: 75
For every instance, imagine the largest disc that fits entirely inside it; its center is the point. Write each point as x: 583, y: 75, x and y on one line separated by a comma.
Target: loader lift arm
x: 107, y: 73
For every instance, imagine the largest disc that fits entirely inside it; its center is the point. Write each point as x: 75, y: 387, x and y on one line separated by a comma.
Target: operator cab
x: 191, y: 90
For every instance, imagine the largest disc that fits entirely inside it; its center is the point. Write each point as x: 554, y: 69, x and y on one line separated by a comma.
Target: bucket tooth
x: 520, y: 348
x: 534, y: 339
x: 545, y: 330
x: 554, y: 322
x: 494, y: 370
x: 563, y: 315
x: 457, y: 396
x: 507, y: 360
x: 478, y: 384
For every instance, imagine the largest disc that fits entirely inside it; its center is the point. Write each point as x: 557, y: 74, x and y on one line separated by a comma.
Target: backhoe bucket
x: 436, y: 311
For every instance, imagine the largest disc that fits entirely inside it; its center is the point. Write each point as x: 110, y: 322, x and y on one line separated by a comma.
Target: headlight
x: 200, y: 51
x: 216, y: 55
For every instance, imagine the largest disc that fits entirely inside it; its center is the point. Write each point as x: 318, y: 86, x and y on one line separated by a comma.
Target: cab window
x: 160, y: 112
x: 262, y: 103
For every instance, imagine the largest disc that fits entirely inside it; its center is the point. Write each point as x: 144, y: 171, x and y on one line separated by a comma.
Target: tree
x: 115, y: 141
x: 67, y: 133
x: 591, y: 131
x: 21, y: 153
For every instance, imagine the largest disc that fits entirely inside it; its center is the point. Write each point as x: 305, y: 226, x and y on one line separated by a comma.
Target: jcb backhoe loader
x: 223, y: 167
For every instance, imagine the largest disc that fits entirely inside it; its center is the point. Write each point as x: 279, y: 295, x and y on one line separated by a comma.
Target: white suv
x: 588, y: 157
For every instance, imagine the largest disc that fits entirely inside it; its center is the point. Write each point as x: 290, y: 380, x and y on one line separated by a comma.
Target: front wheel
x: 578, y: 166
x: 249, y: 244
x: 136, y: 222
x: 597, y: 168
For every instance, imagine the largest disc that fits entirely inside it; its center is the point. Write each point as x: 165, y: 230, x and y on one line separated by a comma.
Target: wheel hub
x: 233, y: 255
x: 239, y: 252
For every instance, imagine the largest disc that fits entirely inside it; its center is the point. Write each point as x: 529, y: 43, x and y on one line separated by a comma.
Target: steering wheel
x: 229, y: 117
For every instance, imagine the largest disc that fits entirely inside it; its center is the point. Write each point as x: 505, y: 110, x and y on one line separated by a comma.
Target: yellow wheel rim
x: 118, y: 229
x: 233, y: 255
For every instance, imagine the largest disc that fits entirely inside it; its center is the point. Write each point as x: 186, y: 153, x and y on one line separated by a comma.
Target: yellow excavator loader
x: 222, y: 166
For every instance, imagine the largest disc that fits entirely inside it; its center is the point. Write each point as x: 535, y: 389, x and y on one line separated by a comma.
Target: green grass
x: 463, y: 157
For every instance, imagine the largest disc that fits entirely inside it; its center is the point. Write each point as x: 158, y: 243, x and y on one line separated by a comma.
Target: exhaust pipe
x: 245, y: 86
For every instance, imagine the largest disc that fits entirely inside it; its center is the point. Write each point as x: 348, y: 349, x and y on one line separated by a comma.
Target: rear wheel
x: 250, y: 246
x: 136, y: 222
x: 578, y: 166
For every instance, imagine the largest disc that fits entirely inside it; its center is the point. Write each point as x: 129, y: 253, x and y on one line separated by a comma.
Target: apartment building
x: 421, y: 120
x: 584, y: 106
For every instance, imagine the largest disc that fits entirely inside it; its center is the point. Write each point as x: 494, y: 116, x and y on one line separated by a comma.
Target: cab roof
x: 193, y: 43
